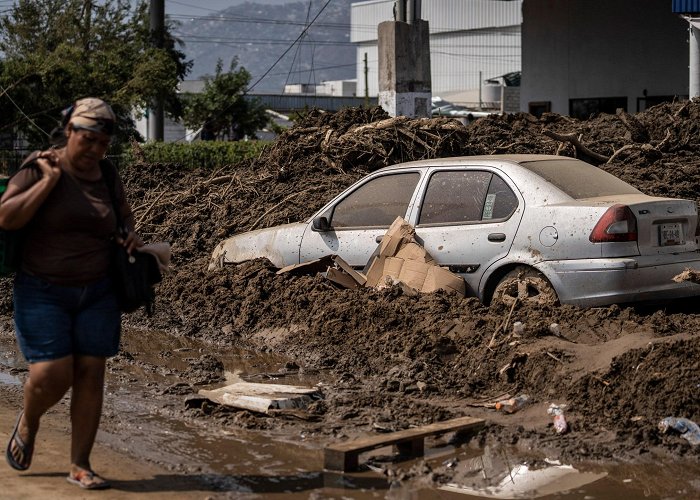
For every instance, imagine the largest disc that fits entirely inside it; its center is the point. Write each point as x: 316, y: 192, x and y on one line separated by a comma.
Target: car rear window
x: 579, y: 179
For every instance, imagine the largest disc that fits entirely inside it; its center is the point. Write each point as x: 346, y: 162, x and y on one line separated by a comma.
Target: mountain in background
x: 258, y: 34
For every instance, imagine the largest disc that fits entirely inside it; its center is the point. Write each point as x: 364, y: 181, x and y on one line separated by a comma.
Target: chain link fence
x: 11, y: 159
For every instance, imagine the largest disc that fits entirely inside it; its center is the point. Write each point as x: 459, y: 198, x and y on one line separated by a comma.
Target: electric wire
x: 290, y: 47
x: 5, y: 93
x: 251, y: 87
x: 298, y: 51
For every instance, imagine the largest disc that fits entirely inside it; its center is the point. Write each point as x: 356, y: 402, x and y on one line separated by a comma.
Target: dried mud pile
x: 401, y: 360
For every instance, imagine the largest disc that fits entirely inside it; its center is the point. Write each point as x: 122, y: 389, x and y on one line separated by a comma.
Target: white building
x: 471, y: 42
x: 581, y: 57
x: 338, y: 88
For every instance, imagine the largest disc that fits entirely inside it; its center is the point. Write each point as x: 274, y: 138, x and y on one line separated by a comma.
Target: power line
x: 370, y: 28
x: 4, y: 92
x: 193, y: 6
x: 233, y: 42
x: 259, y: 20
x: 303, y: 32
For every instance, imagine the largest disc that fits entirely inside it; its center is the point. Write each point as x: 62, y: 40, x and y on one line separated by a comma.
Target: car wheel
x: 527, y: 285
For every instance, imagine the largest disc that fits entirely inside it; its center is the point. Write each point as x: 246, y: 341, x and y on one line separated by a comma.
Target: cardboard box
x: 332, y: 267
x: 401, y: 258
x: 311, y: 267
x: 340, y: 277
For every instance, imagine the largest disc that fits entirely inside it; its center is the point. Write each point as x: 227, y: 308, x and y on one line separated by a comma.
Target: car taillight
x: 617, y: 224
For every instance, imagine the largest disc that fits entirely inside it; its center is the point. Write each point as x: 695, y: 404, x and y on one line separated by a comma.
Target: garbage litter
x: 560, y: 424
x: 689, y: 430
x: 513, y: 404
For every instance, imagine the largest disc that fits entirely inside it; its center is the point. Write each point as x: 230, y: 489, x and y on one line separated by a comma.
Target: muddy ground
x: 396, y: 360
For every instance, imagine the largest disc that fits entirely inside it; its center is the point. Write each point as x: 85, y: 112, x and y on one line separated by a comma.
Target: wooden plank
x: 410, y: 442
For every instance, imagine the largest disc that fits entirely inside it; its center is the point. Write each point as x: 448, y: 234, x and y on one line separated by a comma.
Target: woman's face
x: 86, y: 148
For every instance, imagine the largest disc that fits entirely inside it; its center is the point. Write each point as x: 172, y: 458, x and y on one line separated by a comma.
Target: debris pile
x: 402, y: 359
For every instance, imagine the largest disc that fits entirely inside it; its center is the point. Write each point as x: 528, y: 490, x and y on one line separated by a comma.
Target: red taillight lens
x: 618, y: 223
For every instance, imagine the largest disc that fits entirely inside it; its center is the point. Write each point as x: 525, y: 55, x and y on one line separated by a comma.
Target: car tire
x: 528, y: 285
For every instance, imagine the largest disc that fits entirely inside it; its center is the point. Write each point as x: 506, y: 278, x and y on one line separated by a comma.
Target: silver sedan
x: 535, y: 227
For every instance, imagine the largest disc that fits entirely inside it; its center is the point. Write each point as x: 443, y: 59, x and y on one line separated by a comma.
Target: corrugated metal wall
x: 468, y: 38
x: 685, y: 6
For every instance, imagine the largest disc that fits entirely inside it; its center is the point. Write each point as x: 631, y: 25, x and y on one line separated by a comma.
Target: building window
x: 584, y: 109
x: 538, y: 108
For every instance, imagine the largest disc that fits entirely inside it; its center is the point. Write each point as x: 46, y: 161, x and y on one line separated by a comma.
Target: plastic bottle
x: 689, y: 430
x: 513, y: 404
x: 560, y: 425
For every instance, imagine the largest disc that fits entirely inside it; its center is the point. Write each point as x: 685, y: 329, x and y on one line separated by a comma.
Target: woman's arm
x: 22, y: 198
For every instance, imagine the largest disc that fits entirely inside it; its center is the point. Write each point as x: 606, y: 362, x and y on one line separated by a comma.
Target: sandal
x: 88, y: 480
x: 21, y: 459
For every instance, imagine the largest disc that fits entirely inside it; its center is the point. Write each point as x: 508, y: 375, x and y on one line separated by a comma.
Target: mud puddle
x: 145, y: 416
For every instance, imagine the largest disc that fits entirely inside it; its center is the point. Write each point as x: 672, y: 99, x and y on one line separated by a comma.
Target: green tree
x: 221, y: 109
x: 57, y: 51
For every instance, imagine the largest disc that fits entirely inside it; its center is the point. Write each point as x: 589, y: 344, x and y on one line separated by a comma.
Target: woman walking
x: 67, y: 319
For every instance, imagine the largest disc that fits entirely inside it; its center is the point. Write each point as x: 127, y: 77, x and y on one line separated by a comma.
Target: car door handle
x: 379, y: 238
x: 497, y: 237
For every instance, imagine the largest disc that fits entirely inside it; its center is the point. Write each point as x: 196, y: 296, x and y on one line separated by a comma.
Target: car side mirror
x: 320, y: 224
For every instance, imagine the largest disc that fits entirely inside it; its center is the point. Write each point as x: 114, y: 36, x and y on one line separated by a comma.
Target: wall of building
x: 592, y: 49
x: 470, y: 40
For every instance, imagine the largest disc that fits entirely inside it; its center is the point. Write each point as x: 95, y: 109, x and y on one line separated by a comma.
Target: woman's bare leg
x: 48, y: 382
x: 86, y: 407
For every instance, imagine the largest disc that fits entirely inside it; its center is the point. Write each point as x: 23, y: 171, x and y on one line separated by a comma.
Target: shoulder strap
x: 110, y: 178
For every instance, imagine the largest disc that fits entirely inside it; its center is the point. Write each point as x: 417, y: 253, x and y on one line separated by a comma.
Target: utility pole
x: 87, y: 24
x: 155, y: 114
x: 694, y: 53
x: 690, y: 11
x: 366, y: 82
x: 404, y: 62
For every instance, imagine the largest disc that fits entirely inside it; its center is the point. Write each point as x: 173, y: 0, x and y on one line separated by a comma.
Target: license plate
x: 671, y: 234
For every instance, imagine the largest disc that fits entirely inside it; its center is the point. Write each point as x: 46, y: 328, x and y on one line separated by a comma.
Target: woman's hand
x: 131, y: 242
x: 21, y: 200
x: 49, y: 164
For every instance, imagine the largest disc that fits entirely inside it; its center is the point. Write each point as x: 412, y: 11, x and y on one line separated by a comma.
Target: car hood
x: 279, y: 244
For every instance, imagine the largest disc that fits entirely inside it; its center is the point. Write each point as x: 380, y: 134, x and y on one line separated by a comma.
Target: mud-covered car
x: 536, y: 227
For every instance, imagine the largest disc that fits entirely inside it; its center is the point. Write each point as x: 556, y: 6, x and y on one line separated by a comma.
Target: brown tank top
x: 68, y: 240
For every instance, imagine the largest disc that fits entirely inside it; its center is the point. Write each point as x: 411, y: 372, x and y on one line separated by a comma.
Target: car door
x: 467, y: 219
x: 360, y: 216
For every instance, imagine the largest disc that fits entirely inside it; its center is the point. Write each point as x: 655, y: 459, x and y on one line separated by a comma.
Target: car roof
x: 477, y: 159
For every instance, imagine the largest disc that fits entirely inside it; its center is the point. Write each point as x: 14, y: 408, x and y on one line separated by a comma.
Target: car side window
x: 376, y: 203
x: 501, y: 201
x: 455, y: 197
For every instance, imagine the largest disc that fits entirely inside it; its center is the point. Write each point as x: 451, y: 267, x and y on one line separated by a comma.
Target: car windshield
x: 579, y: 179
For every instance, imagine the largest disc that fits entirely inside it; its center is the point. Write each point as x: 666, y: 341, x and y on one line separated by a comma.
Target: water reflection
x: 8, y: 379
x: 486, y: 476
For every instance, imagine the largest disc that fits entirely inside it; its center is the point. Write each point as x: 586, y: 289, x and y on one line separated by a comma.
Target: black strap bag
x: 11, y: 243
x: 134, y: 275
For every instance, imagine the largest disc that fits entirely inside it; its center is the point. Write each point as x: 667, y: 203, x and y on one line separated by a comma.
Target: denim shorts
x: 54, y: 321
